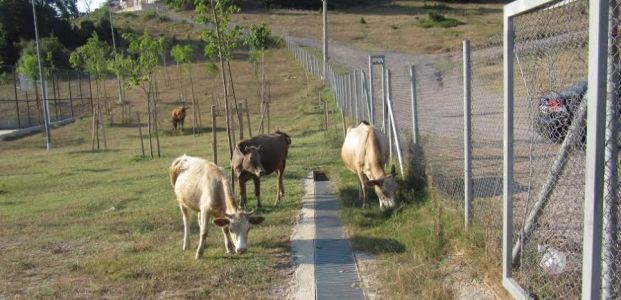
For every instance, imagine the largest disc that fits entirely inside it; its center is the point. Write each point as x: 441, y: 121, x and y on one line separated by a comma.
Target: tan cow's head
x: 385, y: 189
x: 251, y: 159
x: 239, y: 224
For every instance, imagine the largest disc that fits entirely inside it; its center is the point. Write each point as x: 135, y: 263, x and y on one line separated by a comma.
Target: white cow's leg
x: 228, y: 242
x: 362, y: 194
x: 203, y: 233
x: 186, y: 227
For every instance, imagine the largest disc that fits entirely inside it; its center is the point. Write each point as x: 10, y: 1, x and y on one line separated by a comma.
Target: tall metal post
x: 594, y: 175
x: 507, y: 218
x: 391, y: 115
x: 384, y: 109
x: 325, y: 38
x: 467, y: 136
x: 371, y: 94
x: 356, y: 98
x: 118, y: 80
x: 46, y: 109
x: 413, y: 97
x: 610, y: 255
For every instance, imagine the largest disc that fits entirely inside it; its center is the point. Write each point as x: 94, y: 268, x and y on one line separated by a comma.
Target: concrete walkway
x: 324, y: 261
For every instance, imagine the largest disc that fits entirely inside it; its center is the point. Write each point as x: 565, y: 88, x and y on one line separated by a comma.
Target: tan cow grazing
x: 201, y: 186
x: 364, y: 152
x: 178, y: 116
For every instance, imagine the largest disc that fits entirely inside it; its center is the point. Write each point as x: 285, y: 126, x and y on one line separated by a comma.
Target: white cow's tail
x: 176, y: 168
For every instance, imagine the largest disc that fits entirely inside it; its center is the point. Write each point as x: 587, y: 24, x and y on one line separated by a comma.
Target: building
x: 136, y: 5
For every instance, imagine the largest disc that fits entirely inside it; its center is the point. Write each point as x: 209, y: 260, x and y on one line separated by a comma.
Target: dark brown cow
x: 178, y: 116
x: 259, y: 156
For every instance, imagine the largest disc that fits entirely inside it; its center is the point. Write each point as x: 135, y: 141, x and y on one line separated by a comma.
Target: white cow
x: 202, y: 186
x: 364, y: 152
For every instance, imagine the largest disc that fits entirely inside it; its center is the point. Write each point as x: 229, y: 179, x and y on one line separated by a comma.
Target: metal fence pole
x: 593, y: 192
x: 413, y: 97
x: 371, y: 95
x: 507, y: 221
x: 391, y: 115
x: 384, y: 119
x: 356, y: 97
x: 610, y: 255
x: 19, y: 123
x: 467, y: 136
x: 367, y: 97
x: 70, y: 94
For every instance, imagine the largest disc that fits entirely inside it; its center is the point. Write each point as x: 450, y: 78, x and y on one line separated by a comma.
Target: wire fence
x: 426, y: 107
x: 69, y: 95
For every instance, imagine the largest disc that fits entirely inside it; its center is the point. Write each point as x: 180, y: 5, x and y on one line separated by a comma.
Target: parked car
x: 556, y: 111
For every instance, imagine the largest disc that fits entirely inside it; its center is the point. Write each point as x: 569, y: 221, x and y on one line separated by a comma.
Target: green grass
x: 76, y: 223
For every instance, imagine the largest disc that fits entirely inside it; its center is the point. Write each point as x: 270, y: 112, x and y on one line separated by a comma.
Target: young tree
x: 143, y: 52
x: 182, y: 54
x: 221, y: 40
x: 258, y: 40
x: 93, y: 57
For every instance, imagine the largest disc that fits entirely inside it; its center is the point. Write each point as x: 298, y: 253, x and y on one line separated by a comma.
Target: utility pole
x: 45, y: 107
x: 118, y: 80
x: 325, y: 38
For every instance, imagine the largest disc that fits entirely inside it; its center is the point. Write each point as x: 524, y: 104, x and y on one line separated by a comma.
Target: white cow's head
x: 385, y: 189
x: 239, y: 224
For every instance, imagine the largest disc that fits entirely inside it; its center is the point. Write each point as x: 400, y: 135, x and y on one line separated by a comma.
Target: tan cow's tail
x: 175, y: 169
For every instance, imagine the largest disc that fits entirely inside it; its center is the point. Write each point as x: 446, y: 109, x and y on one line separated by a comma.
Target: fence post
x: 70, y: 94
x: 391, y: 115
x: 593, y: 191
x: 357, y: 115
x: 467, y: 135
x: 371, y: 95
x: 214, y: 140
x: 140, y: 133
x: 610, y: 256
x: 413, y: 97
x: 19, y: 123
x: 384, y: 119
x: 507, y: 203
x: 367, y: 98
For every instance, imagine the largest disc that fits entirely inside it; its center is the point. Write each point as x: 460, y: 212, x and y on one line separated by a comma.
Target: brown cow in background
x: 178, y: 116
x: 259, y: 156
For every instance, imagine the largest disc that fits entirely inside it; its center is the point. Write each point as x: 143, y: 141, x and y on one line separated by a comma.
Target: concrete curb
x: 18, y: 133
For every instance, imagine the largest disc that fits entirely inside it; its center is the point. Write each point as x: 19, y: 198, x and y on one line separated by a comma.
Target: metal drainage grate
x: 320, y: 176
x: 336, y: 275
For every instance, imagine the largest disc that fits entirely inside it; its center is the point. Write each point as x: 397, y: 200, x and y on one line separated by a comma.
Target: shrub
x: 150, y: 15
x: 438, y: 20
x: 362, y: 20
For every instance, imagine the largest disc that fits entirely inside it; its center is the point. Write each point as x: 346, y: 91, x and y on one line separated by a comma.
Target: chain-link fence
x: 550, y: 59
x: 69, y: 95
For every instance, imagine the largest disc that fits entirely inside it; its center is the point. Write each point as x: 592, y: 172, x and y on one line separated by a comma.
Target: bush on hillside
x: 438, y: 20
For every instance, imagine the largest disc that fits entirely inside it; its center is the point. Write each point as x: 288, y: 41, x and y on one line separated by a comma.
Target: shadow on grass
x: 377, y: 245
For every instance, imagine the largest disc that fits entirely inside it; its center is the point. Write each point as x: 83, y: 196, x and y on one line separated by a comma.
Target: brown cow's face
x: 252, y: 161
x: 239, y: 224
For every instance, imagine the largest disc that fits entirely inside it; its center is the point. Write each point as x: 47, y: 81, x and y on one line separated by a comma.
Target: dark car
x: 556, y: 111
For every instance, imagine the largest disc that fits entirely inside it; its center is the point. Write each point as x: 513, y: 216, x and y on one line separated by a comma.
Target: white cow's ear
x: 256, y: 220
x: 221, y: 222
